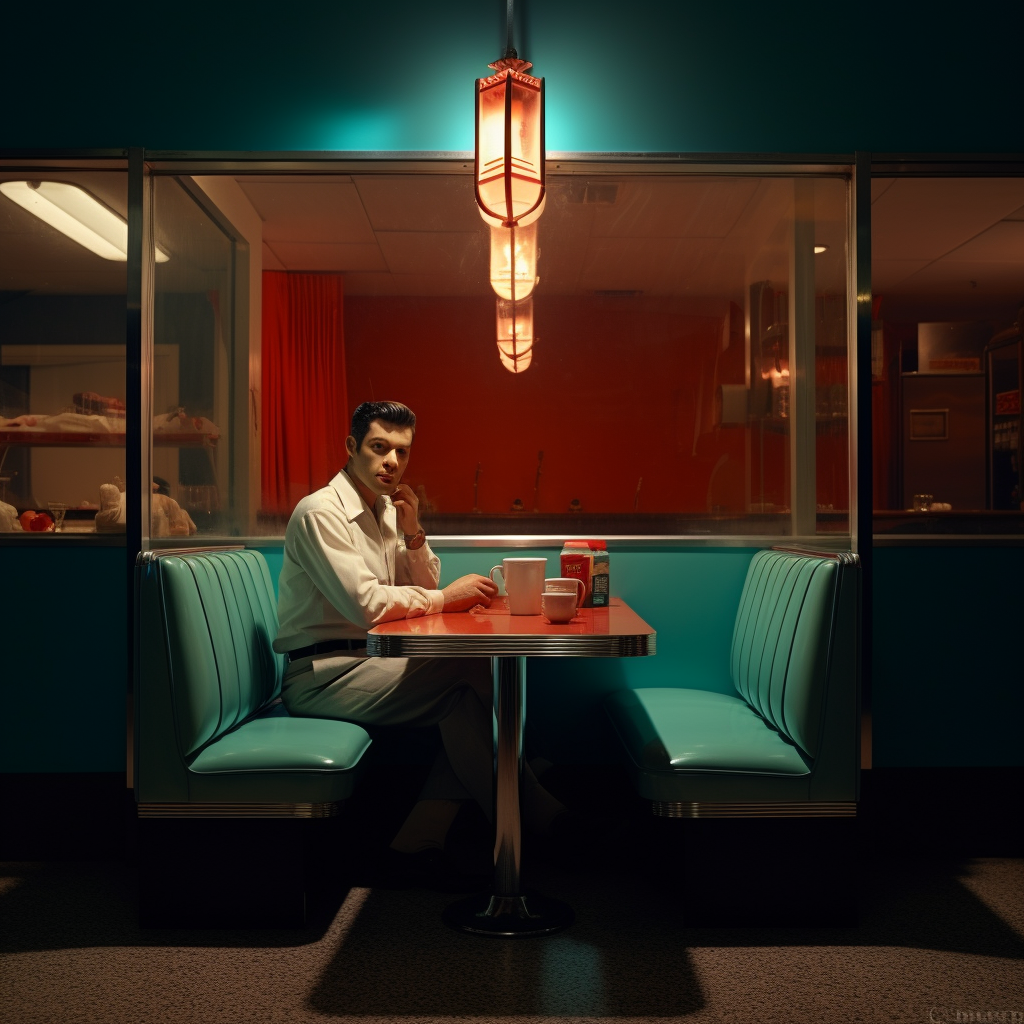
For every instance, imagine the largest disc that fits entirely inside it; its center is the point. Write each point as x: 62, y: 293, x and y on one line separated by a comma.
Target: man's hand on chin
x: 467, y: 592
x: 407, y: 506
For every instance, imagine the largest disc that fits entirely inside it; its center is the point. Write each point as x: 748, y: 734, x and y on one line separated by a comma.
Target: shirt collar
x: 351, y: 500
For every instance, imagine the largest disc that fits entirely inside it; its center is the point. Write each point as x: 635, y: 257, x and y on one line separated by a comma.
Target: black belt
x: 326, y: 647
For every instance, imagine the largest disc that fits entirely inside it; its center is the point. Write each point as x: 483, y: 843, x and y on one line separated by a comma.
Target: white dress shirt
x: 346, y: 569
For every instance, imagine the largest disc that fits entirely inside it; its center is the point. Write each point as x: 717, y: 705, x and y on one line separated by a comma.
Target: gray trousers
x: 453, y: 693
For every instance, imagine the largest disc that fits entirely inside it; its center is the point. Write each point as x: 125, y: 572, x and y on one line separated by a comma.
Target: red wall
x: 620, y: 388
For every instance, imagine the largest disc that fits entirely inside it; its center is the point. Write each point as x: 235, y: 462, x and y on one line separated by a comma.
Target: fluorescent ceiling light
x: 75, y: 213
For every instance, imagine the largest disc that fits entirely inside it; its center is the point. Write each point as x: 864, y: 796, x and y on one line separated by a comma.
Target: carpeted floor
x: 937, y: 941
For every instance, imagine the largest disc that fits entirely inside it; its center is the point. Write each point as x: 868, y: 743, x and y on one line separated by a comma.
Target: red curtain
x: 305, y: 408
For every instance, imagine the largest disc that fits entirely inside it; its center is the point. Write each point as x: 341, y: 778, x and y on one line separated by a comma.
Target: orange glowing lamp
x: 515, y: 334
x: 514, y: 261
x: 510, y: 144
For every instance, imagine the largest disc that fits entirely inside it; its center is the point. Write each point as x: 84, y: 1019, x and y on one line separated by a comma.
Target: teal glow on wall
x: 658, y: 76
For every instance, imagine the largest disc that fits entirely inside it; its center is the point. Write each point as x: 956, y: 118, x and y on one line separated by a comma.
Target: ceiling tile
x: 309, y: 211
x: 445, y: 252
x: 270, y: 260
x: 925, y: 218
x: 680, y: 208
x: 426, y: 202
x: 889, y: 274
x: 322, y: 256
x: 946, y: 277
x: 879, y: 186
x: 1003, y: 242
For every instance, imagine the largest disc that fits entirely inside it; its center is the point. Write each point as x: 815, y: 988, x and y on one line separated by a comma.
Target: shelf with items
x: 75, y: 439
x: 82, y: 518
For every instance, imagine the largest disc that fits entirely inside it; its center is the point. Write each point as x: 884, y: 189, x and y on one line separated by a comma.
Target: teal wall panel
x: 948, y: 672
x: 64, y: 630
x: 948, y: 677
x: 654, y: 76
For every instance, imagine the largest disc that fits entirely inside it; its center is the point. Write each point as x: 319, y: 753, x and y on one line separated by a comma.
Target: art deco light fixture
x: 514, y: 261
x: 77, y: 214
x: 510, y: 190
x: 510, y: 142
x: 515, y: 333
x: 509, y: 183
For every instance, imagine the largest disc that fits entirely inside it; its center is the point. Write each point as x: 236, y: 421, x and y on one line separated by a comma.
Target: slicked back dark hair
x: 393, y: 413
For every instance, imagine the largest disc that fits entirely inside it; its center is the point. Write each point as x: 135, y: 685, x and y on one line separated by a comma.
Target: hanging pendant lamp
x: 515, y: 333
x: 509, y: 184
x: 509, y: 171
x: 514, y: 261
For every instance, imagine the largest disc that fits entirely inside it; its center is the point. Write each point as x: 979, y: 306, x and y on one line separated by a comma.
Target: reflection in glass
x: 695, y: 338
x: 946, y: 267
x: 62, y: 349
x: 200, y: 370
x: 77, y: 214
x: 671, y: 353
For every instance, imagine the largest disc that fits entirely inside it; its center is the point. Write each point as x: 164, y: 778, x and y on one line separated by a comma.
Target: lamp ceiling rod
x: 510, y: 50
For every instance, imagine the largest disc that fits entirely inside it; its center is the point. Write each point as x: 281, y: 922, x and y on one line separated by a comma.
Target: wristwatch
x: 415, y: 540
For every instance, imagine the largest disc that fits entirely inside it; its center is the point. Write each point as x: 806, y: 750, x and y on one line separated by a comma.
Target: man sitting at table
x: 356, y: 555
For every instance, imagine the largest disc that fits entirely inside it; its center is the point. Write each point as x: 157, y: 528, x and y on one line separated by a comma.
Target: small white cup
x: 524, y: 582
x: 567, y: 585
x: 558, y: 605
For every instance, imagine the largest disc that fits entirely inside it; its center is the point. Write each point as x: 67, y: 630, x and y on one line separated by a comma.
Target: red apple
x: 41, y: 523
x: 26, y: 517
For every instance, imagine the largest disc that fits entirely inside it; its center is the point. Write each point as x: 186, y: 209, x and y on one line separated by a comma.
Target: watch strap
x: 415, y: 540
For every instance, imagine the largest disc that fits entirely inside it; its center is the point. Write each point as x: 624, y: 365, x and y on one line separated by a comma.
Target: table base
x: 509, y: 917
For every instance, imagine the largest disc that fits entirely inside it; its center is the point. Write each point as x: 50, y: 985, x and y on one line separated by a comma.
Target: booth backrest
x: 221, y: 619
x: 782, y: 639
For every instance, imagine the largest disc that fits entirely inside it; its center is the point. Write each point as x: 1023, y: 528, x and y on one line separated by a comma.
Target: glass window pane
x: 63, y: 280
x: 947, y: 266
x: 657, y: 397
x: 200, y: 397
x: 683, y: 347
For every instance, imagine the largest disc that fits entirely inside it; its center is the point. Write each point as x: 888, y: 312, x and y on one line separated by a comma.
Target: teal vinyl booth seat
x: 226, y: 782
x: 211, y: 738
x: 786, y: 741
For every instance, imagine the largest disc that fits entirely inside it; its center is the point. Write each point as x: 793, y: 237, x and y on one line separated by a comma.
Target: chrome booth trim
x: 791, y: 809
x: 209, y: 810
x: 410, y: 646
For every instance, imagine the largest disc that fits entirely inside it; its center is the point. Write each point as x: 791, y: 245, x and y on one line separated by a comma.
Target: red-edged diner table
x: 615, y: 631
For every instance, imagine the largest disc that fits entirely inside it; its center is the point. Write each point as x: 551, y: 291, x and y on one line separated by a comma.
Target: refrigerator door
x: 944, y: 438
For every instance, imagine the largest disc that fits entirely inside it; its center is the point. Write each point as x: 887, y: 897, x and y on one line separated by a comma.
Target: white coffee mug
x: 524, y: 583
x: 567, y: 585
x: 558, y: 605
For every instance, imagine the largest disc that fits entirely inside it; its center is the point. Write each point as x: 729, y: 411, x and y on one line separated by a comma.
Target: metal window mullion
x: 134, y: 380
x: 802, y: 428
x: 859, y: 404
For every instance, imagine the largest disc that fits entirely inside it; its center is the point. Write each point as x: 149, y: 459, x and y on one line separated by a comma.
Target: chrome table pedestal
x: 615, y: 631
x: 509, y: 912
